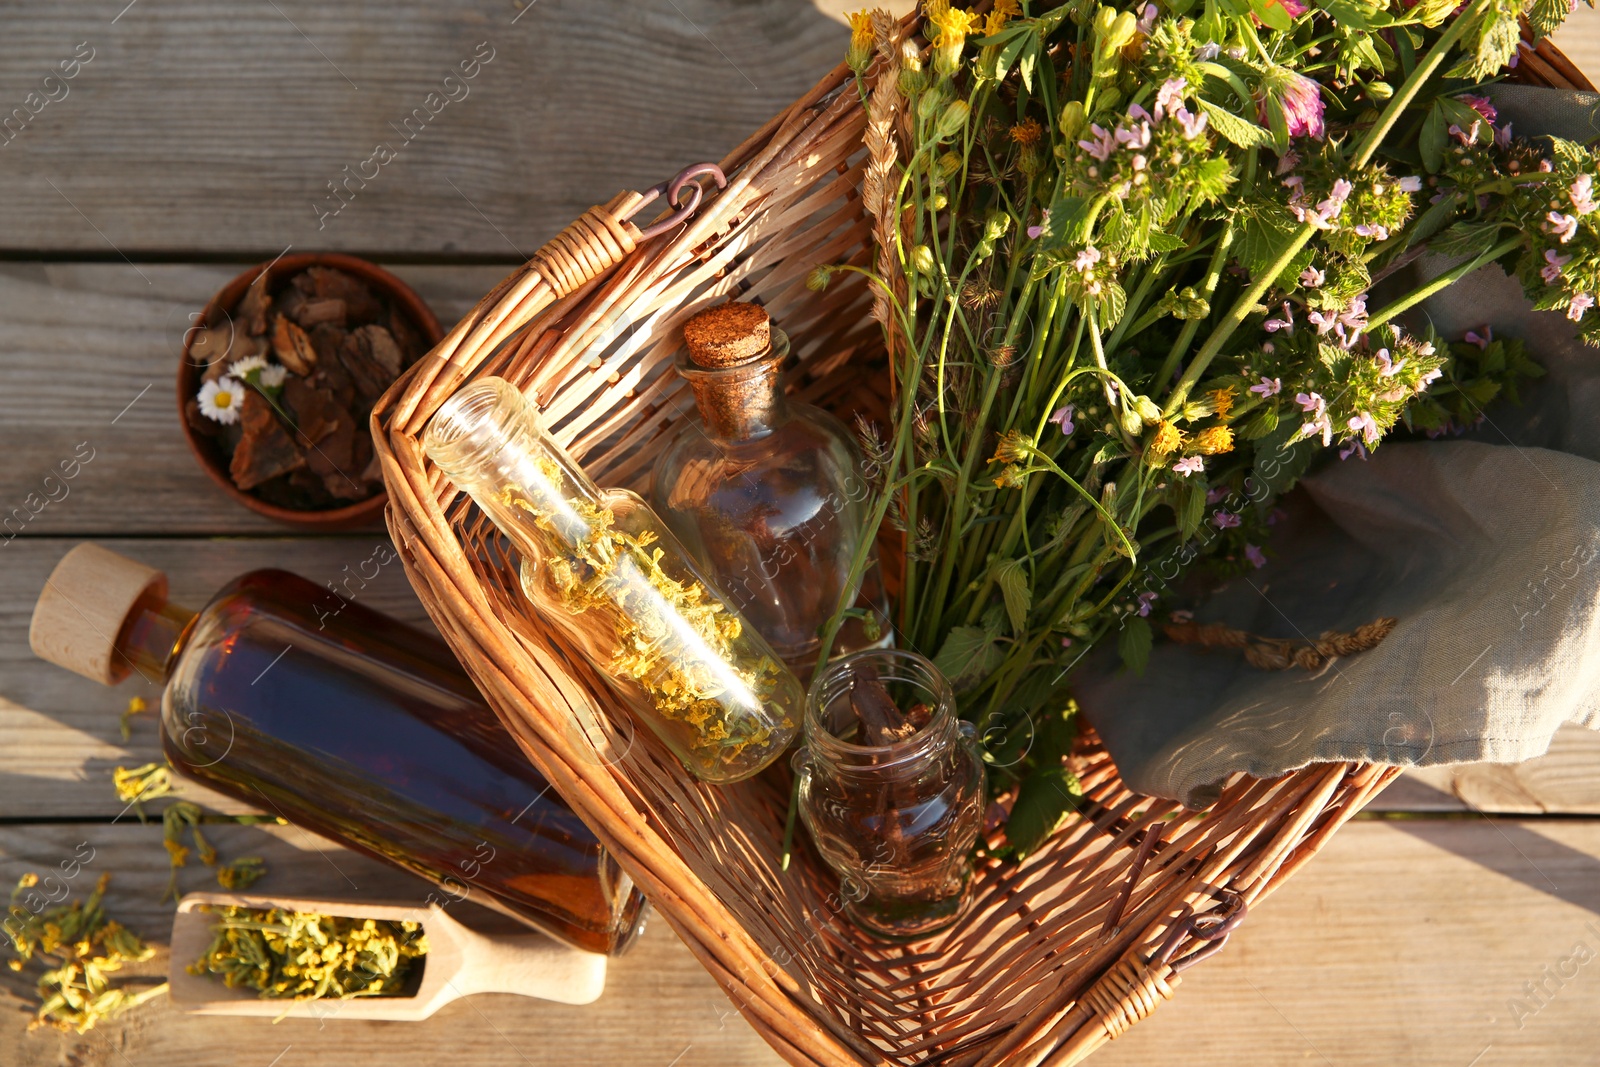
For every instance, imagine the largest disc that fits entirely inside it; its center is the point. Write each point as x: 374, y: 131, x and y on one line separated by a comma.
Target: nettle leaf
x: 969, y: 653
x: 1232, y: 128
x: 1546, y: 16
x: 1012, y: 578
x: 1433, y: 139
x: 1165, y: 242
x: 1135, y: 643
x: 1264, y: 238
x: 1044, y: 800
x: 1110, y: 305
x: 1466, y: 239
x: 1064, y: 225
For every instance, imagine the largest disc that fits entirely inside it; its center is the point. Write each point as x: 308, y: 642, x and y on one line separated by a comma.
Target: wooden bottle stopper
x: 84, y: 604
x: 728, y: 335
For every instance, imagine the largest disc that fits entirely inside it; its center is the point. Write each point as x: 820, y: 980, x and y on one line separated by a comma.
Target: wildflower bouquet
x: 1124, y: 264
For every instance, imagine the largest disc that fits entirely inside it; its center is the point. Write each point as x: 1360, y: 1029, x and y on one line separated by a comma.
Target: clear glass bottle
x: 605, y: 570
x: 347, y: 723
x: 896, y: 822
x: 768, y: 493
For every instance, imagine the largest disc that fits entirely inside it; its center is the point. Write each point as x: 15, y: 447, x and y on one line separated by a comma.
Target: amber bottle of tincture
x: 347, y: 723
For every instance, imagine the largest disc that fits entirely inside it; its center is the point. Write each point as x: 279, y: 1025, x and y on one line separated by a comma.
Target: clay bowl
x: 219, y: 310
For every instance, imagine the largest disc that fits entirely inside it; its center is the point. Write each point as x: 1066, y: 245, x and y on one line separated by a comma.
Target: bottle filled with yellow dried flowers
x: 602, y: 568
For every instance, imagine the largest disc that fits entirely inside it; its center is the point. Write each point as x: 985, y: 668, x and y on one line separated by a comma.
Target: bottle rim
x: 893, y: 665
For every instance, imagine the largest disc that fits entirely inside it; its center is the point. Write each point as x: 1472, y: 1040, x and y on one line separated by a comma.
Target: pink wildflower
x: 1103, y: 144
x: 1257, y: 558
x: 1193, y: 125
x: 1563, y: 226
x: 1062, y: 417
x: 1366, y: 426
x: 1312, y: 278
x: 1189, y: 465
x: 1222, y: 520
x: 1551, y: 271
x: 1268, y: 387
x: 1411, y: 184
x: 1582, y: 193
x: 1169, y: 98
x: 1580, y: 303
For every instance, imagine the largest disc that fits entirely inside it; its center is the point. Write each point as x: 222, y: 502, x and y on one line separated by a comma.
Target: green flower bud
x: 953, y: 120
x: 922, y: 260
x: 939, y: 201
x: 1132, y: 424
x: 1149, y: 412
x: 949, y: 165
x: 1073, y: 121
x: 996, y: 225
x: 929, y: 104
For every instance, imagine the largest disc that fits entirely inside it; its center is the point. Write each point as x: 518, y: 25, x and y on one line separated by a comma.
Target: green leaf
x: 1232, y: 128
x: 1283, y: 456
x: 1008, y: 55
x: 1546, y: 16
x: 1110, y: 305
x: 1433, y: 220
x: 969, y: 653
x: 1432, y: 140
x: 1272, y: 14
x: 1188, y: 504
x: 1012, y: 578
x: 1165, y: 242
x: 1029, y: 59
x: 1044, y: 800
x: 1135, y: 643
x: 1466, y: 239
x: 1064, y: 225
x: 1355, y: 15
x: 1263, y: 239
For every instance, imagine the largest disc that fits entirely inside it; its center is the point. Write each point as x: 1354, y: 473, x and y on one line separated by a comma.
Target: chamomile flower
x: 241, y: 368
x: 272, y: 375
x: 220, y: 400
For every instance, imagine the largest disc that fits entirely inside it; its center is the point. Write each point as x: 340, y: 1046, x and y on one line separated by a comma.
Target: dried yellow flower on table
x: 78, y: 946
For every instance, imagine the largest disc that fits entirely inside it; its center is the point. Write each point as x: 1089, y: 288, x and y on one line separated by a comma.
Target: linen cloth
x: 1485, y: 547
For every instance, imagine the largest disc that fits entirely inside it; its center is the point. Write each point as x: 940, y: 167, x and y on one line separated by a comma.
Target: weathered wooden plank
x: 1403, y: 942
x: 90, y: 358
x: 201, y: 125
x: 658, y: 1004
x: 62, y: 735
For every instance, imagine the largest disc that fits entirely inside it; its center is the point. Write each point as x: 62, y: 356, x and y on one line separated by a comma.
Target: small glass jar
x: 600, y: 566
x: 896, y: 822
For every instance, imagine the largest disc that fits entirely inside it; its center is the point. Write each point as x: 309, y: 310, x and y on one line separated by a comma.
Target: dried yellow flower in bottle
x: 602, y: 568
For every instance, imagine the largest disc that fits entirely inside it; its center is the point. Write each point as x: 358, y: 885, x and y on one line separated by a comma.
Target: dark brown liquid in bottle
x: 360, y: 728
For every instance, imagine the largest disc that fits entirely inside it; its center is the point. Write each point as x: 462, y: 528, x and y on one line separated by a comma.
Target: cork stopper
x: 728, y: 335
x: 83, y: 607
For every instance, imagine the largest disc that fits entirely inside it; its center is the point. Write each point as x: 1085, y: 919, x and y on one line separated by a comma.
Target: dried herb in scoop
x: 294, y: 955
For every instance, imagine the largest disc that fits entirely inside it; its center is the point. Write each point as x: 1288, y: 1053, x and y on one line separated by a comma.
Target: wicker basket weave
x: 1059, y: 953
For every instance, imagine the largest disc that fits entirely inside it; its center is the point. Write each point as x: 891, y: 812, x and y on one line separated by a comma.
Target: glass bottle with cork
x: 767, y: 492
x: 349, y: 724
x: 605, y: 571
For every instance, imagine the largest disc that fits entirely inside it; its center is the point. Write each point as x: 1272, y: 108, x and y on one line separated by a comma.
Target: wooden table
x: 201, y: 136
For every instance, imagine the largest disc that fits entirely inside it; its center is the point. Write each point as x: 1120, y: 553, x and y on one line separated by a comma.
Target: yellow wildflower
x: 862, y: 40
x: 1166, y: 439
x: 952, y: 25
x: 1014, y: 447
x: 1213, y: 440
x: 1003, y: 11
x: 1027, y: 133
x: 1223, y: 400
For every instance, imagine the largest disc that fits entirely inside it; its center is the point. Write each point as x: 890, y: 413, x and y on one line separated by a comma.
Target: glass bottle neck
x: 153, y: 636
x: 740, y: 409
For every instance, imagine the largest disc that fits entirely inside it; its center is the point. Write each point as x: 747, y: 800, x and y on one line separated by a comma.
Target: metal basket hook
x: 686, y: 178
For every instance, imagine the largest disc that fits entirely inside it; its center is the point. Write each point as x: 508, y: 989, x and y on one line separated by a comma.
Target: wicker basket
x: 1058, y: 954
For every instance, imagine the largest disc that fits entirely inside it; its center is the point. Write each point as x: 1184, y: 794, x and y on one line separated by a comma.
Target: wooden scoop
x: 457, y: 964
